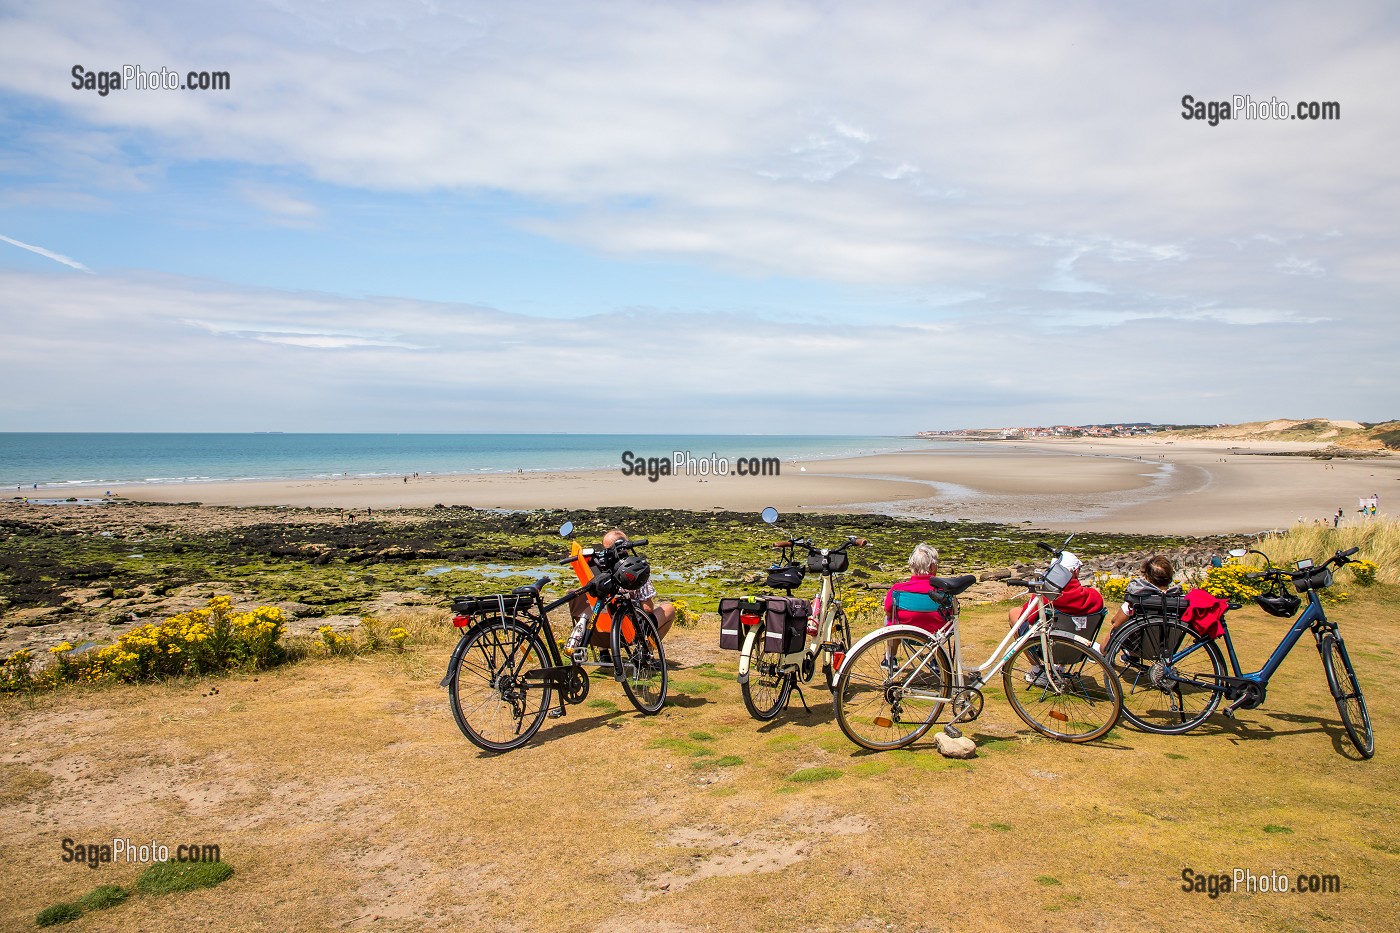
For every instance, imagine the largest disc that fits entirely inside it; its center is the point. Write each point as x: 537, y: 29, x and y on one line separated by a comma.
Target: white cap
x: 1069, y: 561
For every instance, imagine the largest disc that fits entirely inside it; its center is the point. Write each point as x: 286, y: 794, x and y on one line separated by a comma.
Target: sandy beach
x: 1128, y: 485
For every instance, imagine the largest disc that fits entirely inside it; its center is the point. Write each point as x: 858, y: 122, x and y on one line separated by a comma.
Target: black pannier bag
x: 1085, y: 626
x: 785, y: 628
x: 832, y: 562
x: 1156, y: 641
x: 735, y: 616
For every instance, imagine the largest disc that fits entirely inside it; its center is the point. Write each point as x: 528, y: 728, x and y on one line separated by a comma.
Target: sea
x: 55, y: 460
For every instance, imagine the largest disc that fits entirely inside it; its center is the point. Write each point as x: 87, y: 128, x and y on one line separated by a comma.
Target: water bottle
x: 576, y: 637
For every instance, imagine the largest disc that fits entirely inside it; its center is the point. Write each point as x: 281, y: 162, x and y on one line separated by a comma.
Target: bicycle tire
x: 1154, y: 697
x: 1347, y: 693
x: 645, y: 659
x: 491, y: 705
x: 840, y: 631
x: 767, y: 689
x: 873, y: 708
x: 1084, y: 701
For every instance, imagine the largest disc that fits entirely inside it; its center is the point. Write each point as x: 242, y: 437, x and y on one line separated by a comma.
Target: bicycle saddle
x: 954, y: 585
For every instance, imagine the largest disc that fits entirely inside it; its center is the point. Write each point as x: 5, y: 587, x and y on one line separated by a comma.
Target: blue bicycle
x: 1174, y: 677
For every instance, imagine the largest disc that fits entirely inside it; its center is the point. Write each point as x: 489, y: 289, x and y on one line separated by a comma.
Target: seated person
x: 1075, y: 599
x: 1157, y: 573
x: 923, y: 565
x: 664, y: 613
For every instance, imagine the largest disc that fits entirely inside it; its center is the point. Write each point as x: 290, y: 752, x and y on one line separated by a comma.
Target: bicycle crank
x: 574, y: 687
x: 967, y: 704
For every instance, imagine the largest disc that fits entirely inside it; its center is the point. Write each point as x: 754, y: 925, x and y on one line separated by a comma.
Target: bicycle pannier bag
x: 735, y: 617
x: 1085, y: 626
x: 785, y: 629
x: 1156, y: 641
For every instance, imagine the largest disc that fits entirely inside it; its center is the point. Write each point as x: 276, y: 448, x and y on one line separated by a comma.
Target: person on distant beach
x: 1157, y: 573
x: 1337, y: 519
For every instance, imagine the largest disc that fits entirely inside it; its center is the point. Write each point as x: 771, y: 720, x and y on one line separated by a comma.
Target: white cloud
x: 48, y: 254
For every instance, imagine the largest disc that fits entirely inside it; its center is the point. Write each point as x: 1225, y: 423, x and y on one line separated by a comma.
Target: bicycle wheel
x: 1166, y: 670
x: 1341, y: 678
x: 642, y: 662
x: 1079, y: 698
x: 891, y: 690
x: 767, y: 690
x: 840, y: 632
x: 494, y: 706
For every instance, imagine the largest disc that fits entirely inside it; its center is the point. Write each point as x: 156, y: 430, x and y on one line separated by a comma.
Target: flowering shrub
x: 1363, y: 572
x: 1114, y: 589
x: 1228, y: 582
x: 335, y: 642
x: 202, y: 641
x: 684, y: 614
x: 14, y: 672
x: 398, y: 637
x: 862, y: 603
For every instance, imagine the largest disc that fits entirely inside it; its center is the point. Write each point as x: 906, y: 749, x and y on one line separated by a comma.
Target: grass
x: 58, y: 913
x: 345, y: 792
x: 168, y: 877
x: 1378, y: 541
x: 102, y: 897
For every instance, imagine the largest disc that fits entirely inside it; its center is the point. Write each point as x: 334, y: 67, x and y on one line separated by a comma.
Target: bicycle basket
x: 785, y: 578
x: 831, y: 562
x: 1319, y: 578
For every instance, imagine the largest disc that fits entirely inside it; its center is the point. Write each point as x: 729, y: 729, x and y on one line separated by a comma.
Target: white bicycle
x: 897, y: 680
x: 767, y: 676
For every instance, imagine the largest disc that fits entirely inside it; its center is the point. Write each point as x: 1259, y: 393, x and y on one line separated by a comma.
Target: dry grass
x: 1378, y: 540
x: 342, y: 792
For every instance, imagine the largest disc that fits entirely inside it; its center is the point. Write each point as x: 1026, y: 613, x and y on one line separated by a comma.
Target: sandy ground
x: 345, y: 799
x: 1128, y: 485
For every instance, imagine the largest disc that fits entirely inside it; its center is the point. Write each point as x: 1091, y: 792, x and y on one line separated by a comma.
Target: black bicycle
x: 1174, y: 676
x: 507, y: 666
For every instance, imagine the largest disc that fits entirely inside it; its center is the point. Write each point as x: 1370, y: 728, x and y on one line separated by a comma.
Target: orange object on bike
x: 585, y: 571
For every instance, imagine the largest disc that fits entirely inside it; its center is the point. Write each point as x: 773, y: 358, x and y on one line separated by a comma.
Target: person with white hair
x: 923, y: 569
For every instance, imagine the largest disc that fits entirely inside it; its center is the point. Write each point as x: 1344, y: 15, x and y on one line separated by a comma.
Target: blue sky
x: 726, y: 217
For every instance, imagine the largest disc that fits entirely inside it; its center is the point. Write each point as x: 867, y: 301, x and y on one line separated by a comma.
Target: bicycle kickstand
x: 798, y: 687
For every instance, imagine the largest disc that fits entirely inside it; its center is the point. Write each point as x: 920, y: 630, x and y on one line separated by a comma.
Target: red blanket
x: 1205, y: 613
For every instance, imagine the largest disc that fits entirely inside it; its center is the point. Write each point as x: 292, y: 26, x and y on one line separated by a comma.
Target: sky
x: 719, y: 217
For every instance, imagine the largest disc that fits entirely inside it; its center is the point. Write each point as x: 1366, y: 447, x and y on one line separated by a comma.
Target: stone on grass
x: 950, y: 747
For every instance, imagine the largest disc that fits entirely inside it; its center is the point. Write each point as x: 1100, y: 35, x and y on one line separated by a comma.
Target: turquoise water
x: 51, y: 460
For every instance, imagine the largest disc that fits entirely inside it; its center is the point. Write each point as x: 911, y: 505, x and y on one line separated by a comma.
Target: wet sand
x: 1129, y: 485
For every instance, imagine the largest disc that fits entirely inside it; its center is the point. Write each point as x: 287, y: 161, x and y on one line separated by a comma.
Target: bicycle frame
x: 811, y: 645
x: 1313, y: 617
x: 964, y: 678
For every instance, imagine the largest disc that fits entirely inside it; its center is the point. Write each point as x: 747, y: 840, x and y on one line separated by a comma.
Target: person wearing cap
x: 1075, y: 599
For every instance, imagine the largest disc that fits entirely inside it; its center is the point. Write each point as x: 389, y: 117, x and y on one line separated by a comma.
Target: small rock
x: 950, y: 747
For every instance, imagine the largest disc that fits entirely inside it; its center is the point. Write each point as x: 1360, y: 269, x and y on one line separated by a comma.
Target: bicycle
x: 1174, y: 677
x: 772, y: 660
x: 506, y: 666
x: 897, y: 680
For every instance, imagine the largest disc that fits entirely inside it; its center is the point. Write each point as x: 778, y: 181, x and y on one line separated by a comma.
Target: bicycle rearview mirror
x: 566, y: 529
x: 1238, y: 552
x: 770, y: 515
